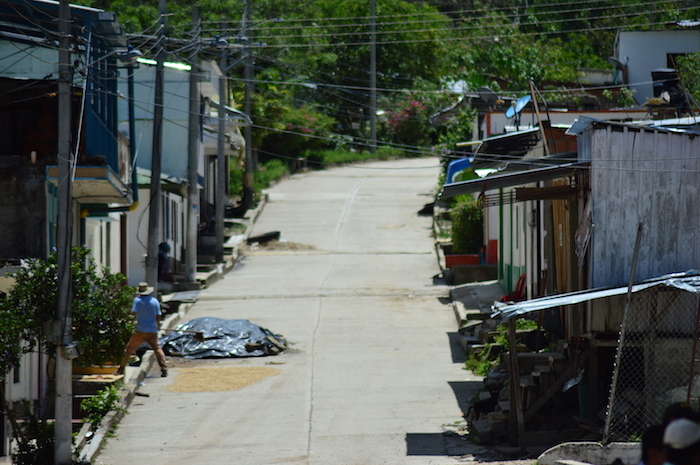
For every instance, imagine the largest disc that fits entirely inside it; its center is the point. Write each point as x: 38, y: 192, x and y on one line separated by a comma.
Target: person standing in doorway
x: 148, y: 314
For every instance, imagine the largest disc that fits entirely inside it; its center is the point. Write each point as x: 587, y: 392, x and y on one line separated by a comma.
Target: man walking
x: 147, y: 310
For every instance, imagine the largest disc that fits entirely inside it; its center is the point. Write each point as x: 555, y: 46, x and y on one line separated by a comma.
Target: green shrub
x: 266, y: 174
x: 101, y: 307
x: 320, y: 158
x: 480, y: 363
x: 99, y: 405
x: 467, y: 227
x: 34, y: 438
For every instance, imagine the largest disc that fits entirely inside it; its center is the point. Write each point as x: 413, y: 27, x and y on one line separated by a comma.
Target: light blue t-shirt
x: 146, y: 308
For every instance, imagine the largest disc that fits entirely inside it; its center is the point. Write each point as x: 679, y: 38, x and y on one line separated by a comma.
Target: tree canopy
x: 311, y: 59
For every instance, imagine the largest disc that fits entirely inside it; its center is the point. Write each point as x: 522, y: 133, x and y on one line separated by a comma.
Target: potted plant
x: 102, y: 323
x: 467, y: 233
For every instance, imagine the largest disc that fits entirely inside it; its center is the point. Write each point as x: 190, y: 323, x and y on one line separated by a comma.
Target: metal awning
x: 36, y: 22
x: 96, y: 185
x: 497, y: 150
x: 687, y: 281
x: 517, y: 178
x: 168, y: 183
x: 232, y: 114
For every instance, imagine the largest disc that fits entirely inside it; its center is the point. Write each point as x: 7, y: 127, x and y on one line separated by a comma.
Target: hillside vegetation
x: 310, y: 60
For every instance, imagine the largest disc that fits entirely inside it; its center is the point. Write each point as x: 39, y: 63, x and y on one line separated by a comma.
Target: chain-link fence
x: 655, y: 362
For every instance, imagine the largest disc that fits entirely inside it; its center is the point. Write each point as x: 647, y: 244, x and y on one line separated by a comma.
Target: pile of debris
x: 550, y: 393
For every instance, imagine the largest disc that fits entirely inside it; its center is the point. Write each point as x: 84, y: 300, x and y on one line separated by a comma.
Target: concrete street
x: 371, y: 375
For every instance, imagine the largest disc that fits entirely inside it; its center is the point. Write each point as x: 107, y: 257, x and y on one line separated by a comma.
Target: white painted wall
x: 497, y: 123
x: 26, y: 383
x: 175, y: 117
x: 35, y: 63
x: 648, y: 50
x: 172, y: 232
x: 103, y: 238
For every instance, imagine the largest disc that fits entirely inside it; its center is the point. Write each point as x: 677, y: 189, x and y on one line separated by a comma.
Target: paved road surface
x: 371, y: 376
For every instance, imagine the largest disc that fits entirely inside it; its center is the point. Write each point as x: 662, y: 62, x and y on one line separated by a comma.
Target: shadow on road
x: 465, y: 391
x: 458, y: 355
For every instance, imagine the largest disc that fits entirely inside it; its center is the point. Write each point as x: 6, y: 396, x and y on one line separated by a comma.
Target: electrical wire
x: 362, y: 21
x: 381, y: 32
x: 423, y: 151
x: 476, y: 12
x: 345, y: 87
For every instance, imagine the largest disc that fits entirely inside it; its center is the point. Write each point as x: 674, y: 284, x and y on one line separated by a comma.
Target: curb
x: 88, y: 443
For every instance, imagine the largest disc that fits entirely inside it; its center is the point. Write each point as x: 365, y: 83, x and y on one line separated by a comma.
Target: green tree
x: 101, y: 305
x: 689, y: 71
x: 102, y: 324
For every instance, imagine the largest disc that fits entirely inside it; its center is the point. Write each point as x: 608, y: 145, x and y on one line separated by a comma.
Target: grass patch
x: 272, y: 170
x: 320, y: 158
x: 263, y: 177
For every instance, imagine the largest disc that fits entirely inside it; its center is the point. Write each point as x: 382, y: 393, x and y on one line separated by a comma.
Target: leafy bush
x: 689, y: 72
x: 298, y: 130
x: 481, y: 362
x: 101, y: 303
x: 467, y: 227
x: 34, y: 438
x: 99, y: 405
x: 267, y: 173
x: 407, y: 122
x: 320, y: 158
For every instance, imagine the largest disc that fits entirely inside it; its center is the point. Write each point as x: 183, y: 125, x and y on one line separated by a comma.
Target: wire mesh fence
x: 655, y: 362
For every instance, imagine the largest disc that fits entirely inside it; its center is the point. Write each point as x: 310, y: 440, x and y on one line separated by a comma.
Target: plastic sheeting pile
x: 222, y: 338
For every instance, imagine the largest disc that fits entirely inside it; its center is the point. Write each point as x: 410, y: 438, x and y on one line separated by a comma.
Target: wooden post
x: 517, y: 422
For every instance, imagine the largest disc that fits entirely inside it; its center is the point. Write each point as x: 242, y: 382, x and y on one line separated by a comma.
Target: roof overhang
x: 517, y: 178
x: 168, y: 183
x: 36, y: 21
x: 688, y: 281
x: 686, y: 125
x: 95, y: 185
x: 232, y: 114
x: 497, y: 150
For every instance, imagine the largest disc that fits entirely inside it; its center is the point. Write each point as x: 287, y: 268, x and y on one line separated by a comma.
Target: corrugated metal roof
x: 688, y: 124
x: 497, y: 150
x: 511, y: 179
x: 688, y: 281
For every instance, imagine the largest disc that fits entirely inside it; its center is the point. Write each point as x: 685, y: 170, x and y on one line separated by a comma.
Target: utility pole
x: 372, y: 79
x: 221, y: 164
x: 193, y: 161
x: 248, y: 130
x: 156, y: 157
x: 64, y: 382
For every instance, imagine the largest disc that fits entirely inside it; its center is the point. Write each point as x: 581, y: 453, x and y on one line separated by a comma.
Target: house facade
x: 102, y: 169
x: 174, y: 205
x: 638, y: 53
x: 645, y: 175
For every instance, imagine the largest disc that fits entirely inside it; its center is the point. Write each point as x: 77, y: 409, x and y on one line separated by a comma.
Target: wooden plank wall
x: 649, y: 176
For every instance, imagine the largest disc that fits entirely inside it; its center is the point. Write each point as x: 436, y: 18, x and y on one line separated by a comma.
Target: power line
x: 463, y: 39
x: 447, y: 19
x: 476, y: 12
